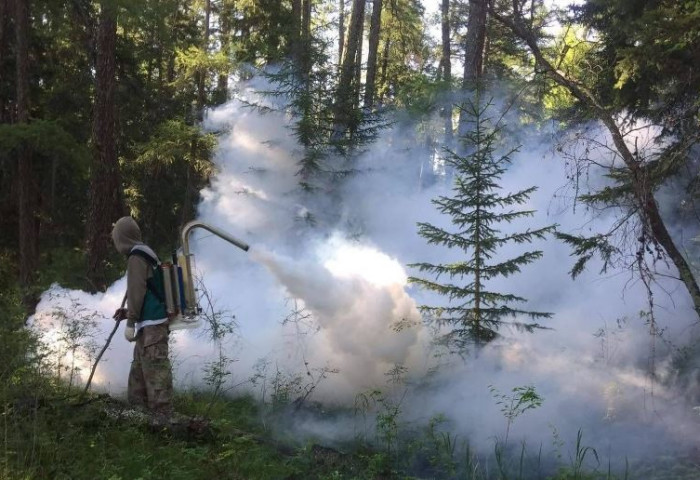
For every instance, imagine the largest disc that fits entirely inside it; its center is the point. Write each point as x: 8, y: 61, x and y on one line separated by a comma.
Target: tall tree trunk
x: 341, y: 30
x: 344, y: 94
x: 295, y: 26
x: 385, y: 67
x: 305, y: 43
x: 373, y: 47
x: 105, y: 183
x: 4, y: 13
x: 357, y: 83
x: 473, y: 50
x: 474, y: 43
x: 446, y: 62
x: 3, y: 20
x: 225, y: 35
x: 202, y: 74
x: 28, y: 232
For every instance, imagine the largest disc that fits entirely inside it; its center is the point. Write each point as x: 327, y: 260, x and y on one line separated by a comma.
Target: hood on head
x: 125, y: 234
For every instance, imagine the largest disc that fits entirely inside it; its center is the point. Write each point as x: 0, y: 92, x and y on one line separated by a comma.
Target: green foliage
x: 66, y: 340
x: 519, y: 401
x: 194, y: 61
x: 405, y: 55
x: 443, y: 447
x: 160, y: 57
x: 174, y: 165
x: 46, y: 137
x: 572, y: 52
x: 387, y: 413
x: 46, y: 435
x: 476, y: 209
x: 578, y: 469
x: 264, y: 27
x: 281, y: 389
x: 60, y: 441
x: 647, y: 56
x: 586, y: 247
x: 18, y: 343
x: 308, y: 95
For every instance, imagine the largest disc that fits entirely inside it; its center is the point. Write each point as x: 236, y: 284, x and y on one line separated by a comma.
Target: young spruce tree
x: 478, y: 206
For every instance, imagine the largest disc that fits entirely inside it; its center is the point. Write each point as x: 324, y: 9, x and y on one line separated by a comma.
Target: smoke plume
x: 327, y: 292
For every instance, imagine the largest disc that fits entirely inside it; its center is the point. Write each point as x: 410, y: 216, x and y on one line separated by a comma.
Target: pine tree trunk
x: 344, y: 94
x: 473, y: 50
x: 306, y: 41
x: 105, y: 184
x: 385, y: 68
x: 28, y: 231
x: 3, y: 19
x: 446, y: 61
x: 3, y: 44
x: 341, y: 30
x: 295, y: 48
x: 474, y: 43
x: 374, y: 30
x: 225, y: 35
x: 202, y: 74
x: 357, y: 84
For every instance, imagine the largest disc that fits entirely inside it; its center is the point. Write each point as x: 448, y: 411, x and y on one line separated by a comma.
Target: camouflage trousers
x: 151, y: 379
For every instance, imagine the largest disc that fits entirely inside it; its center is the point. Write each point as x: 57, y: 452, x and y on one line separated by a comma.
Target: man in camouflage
x: 150, y: 378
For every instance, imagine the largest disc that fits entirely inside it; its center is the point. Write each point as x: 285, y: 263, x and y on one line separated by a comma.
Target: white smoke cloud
x: 351, y: 277
x: 367, y: 322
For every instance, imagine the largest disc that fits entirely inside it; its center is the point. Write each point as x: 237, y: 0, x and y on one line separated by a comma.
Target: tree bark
x: 295, y: 48
x: 3, y: 19
x: 373, y: 47
x: 641, y: 188
x: 384, y: 70
x: 473, y: 50
x: 341, y: 30
x: 105, y: 183
x: 4, y: 117
x: 28, y: 231
x: 305, y: 60
x: 202, y: 74
x: 225, y: 36
x: 344, y: 94
x: 357, y: 83
x: 446, y: 62
x: 474, y: 43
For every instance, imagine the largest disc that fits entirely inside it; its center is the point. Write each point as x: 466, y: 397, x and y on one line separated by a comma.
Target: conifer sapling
x: 477, y: 208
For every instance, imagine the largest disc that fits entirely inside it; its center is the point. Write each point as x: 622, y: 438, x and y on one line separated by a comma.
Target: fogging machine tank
x: 183, y: 294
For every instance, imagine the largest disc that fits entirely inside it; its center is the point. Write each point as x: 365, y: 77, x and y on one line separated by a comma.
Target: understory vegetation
x: 51, y: 429
x: 49, y: 434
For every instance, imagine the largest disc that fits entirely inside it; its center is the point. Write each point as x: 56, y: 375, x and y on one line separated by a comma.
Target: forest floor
x: 59, y: 437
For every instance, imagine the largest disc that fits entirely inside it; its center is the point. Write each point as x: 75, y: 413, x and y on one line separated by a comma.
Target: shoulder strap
x: 155, y: 265
x: 140, y: 253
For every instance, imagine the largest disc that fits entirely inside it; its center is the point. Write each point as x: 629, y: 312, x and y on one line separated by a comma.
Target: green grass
x: 44, y: 435
x: 56, y: 440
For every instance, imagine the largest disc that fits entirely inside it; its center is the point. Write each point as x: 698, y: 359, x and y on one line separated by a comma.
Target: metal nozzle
x: 220, y: 233
x: 190, y: 296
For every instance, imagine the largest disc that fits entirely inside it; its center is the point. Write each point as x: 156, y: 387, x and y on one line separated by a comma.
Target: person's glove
x: 120, y: 314
x: 130, y: 334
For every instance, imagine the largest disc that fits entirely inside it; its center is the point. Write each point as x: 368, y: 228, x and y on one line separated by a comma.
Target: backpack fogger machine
x: 179, y: 282
x: 180, y: 291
